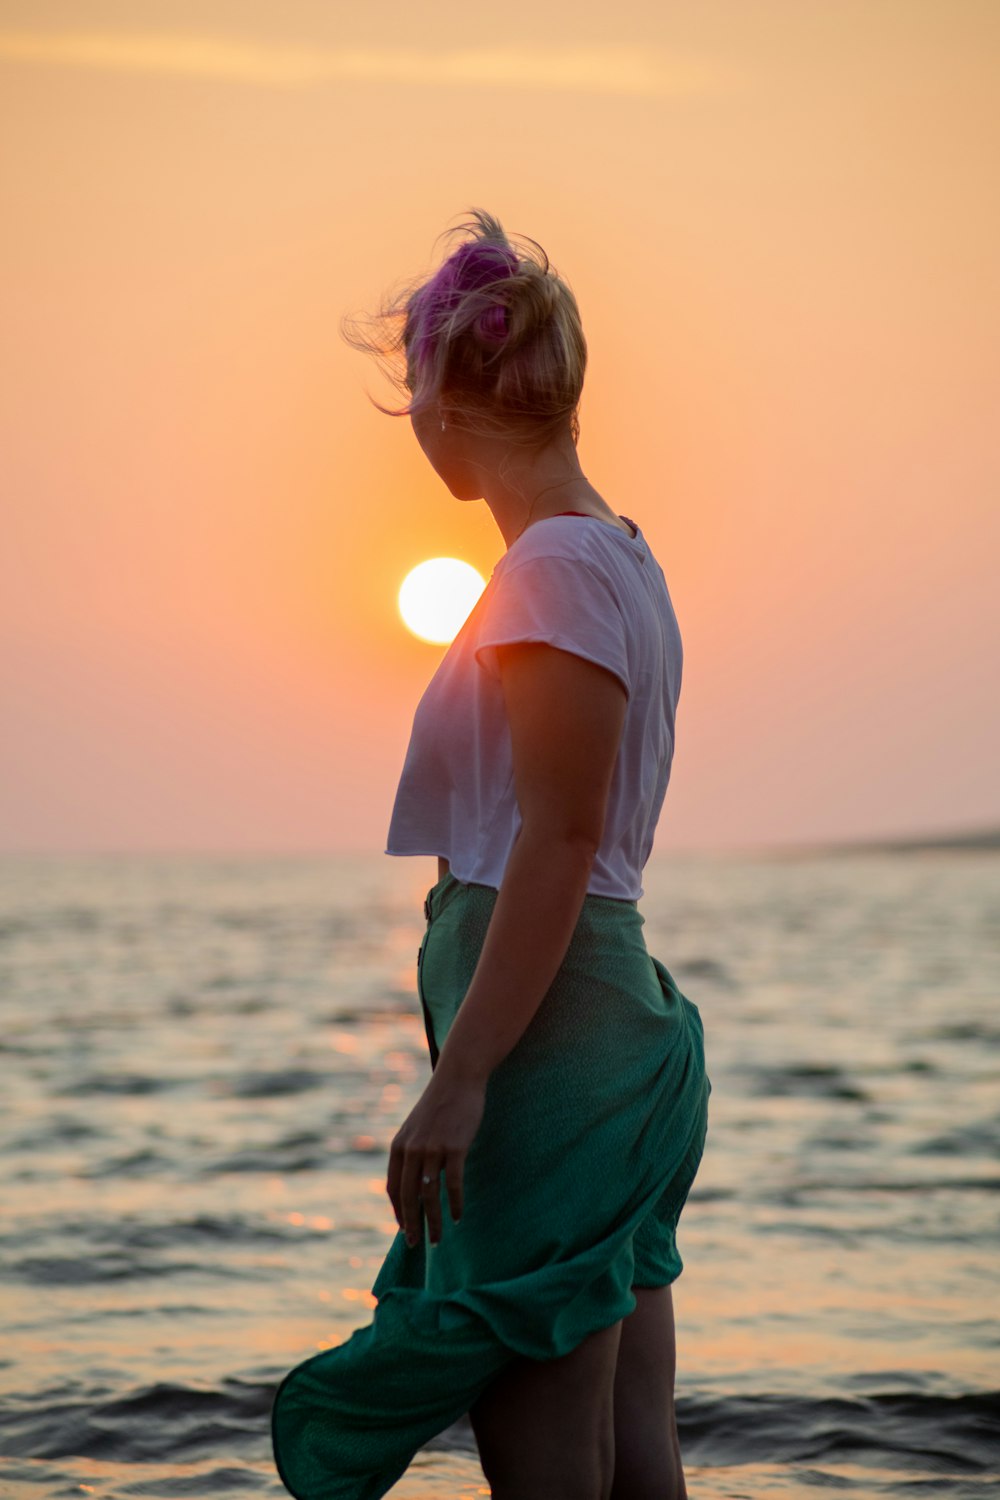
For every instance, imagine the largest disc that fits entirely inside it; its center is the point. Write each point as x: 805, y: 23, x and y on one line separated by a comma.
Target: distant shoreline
x: 974, y: 841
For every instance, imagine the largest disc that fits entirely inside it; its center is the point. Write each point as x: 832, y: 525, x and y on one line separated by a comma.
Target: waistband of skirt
x: 449, y: 887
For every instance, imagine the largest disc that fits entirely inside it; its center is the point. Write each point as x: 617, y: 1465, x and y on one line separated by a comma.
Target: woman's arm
x: 566, y: 717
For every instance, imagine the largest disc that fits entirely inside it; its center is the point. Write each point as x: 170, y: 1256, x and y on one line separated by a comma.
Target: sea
x: 204, y: 1061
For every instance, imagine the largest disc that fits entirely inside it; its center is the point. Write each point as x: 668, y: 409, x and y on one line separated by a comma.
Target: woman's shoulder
x: 575, y: 538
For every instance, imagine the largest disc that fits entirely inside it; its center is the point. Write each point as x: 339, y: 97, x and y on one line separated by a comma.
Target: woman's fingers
x: 394, y: 1180
x: 410, y: 1195
x: 430, y: 1194
x: 414, y: 1192
x: 408, y: 1192
x: 434, y: 1138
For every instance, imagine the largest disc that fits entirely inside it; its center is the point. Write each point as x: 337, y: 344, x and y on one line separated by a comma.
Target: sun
x: 436, y: 597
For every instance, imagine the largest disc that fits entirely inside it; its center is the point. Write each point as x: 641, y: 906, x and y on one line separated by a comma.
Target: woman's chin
x: 464, y: 490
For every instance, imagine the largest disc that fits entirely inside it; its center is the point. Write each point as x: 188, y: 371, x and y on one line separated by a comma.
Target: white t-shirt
x: 587, y: 587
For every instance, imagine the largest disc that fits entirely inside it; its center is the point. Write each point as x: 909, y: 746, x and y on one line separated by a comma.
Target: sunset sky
x: 781, y: 219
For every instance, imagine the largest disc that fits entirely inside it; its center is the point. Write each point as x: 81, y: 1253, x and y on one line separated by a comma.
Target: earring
x: 442, y: 424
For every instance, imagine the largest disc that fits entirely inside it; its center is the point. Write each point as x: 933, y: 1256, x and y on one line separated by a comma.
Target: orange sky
x: 781, y: 222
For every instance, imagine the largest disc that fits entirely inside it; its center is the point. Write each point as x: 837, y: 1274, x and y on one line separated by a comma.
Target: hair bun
x: 533, y: 299
x: 492, y: 324
x: 477, y: 264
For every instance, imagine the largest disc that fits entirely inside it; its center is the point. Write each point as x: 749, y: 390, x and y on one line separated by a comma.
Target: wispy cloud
x: 589, y: 70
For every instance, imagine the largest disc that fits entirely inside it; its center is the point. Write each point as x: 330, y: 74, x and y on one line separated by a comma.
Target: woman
x: 539, y: 1179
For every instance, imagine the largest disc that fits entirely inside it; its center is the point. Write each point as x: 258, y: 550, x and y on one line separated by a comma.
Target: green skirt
x: 593, y: 1129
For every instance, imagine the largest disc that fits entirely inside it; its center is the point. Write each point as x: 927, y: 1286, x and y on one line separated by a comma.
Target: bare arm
x: 566, y: 717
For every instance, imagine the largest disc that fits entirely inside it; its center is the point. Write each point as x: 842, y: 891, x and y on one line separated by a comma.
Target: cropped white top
x: 584, y: 586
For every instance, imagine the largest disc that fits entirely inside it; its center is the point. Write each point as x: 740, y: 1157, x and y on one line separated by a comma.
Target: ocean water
x: 204, y: 1061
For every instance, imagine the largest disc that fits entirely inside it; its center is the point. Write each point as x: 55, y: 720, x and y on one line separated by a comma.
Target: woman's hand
x: 436, y: 1134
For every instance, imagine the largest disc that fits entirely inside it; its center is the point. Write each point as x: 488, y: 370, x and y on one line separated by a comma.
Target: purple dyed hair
x: 477, y: 266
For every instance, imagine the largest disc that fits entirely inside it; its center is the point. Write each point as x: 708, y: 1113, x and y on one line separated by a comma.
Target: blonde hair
x: 494, y: 334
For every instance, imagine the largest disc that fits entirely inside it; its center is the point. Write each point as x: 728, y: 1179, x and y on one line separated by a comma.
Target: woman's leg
x: 647, y: 1452
x: 545, y: 1428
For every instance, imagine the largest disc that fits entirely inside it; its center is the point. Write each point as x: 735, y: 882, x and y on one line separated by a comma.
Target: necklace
x: 569, y: 479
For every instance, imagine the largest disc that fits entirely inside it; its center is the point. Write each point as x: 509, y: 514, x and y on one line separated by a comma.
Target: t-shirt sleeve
x: 561, y: 602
